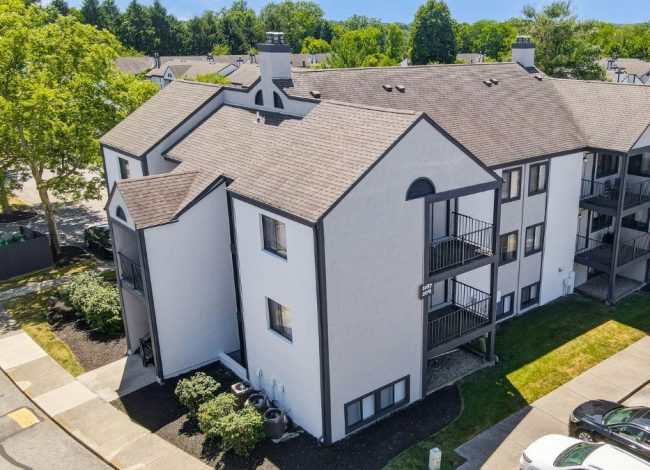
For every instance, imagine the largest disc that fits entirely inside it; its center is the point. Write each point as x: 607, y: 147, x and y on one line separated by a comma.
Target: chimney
x: 523, y: 51
x: 156, y: 60
x: 275, y: 58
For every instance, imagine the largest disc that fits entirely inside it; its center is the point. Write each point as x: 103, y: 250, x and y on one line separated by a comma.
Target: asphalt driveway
x: 624, y: 377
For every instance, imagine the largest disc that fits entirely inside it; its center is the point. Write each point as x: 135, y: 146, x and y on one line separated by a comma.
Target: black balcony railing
x: 633, y: 249
x: 471, y: 239
x: 131, y: 273
x: 469, y: 310
x: 607, y: 193
x: 589, y: 250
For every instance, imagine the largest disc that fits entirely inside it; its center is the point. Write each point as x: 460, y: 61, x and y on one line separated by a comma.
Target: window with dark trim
x: 421, y: 187
x: 507, y: 306
x: 274, y: 233
x: 375, y: 404
x: 639, y: 165
x: 511, y: 185
x: 279, y: 319
x: 600, y: 221
x: 119, y: 213
x: 508, y: 247
x: 277, y: 101
x: 259, y: 98
x: 125, y: 172
x: 530, y: 295
x: 607, y: 165
x: 537, y: 177
x: 534, y: 239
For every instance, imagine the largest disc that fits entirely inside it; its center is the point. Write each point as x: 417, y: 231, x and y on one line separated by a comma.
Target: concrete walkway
x: 80, y: 406
x: 614, y: 379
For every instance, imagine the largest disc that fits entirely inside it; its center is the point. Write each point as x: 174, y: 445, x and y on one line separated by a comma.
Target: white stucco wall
x: 247, y: 99
x: 291, y: 282
x: 374, y: 255
x: 115, y: 202
x: 190, y: 266
x: 561, y: 224
x: 111, y: 157
x: 644, y: 140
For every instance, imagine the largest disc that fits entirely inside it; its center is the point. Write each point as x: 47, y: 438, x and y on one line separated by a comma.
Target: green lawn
x: 538, y: 352
x: 58, y: 270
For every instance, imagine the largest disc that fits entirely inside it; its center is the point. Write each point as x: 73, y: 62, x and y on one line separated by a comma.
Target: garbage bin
x: 242, y: 391
x: 275, y: 423
x: 258, y: 401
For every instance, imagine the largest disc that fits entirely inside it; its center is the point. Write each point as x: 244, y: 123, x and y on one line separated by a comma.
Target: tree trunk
x: 55, y: 245
x: 4, y: 193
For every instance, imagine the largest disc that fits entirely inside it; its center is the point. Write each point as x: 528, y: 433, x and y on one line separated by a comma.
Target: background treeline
x: 566, y: 45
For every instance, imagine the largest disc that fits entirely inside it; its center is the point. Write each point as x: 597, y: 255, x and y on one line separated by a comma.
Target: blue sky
x: 630, y: 11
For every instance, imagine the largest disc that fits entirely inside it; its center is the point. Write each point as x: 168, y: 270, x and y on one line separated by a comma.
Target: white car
x: 566, y: 453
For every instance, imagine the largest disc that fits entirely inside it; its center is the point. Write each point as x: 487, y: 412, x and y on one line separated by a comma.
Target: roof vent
x: 315, y: 93
x: 257, y: 117
x: 538, y: 77
x: 400, y: 88
x: 487, y: 82
x: 494, y: 81
x: 388, y: 87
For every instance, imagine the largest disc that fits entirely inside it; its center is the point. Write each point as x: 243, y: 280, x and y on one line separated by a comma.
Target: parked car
x: 553, y: 452
x: 625, y: 427
x: 99, y: 236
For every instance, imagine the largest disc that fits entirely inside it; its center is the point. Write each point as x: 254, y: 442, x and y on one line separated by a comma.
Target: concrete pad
x: 40, y: 376
x: 535, y: 425
x: 595, y: 387
x: 642, y: 345
x: 142, y: 452
x: 24, y: 417
x: 8, y: 427
x: 18, y: 349
x: 560, y: 403
x: 640, y: 398
x: 622, y: 371
x: 177, y: 459
x: 118, y: 378
x: 505, y: 458
x: 64, y: 398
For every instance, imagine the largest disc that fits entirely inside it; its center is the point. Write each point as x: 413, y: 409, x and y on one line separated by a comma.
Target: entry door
x: 440, y: 219
x: 440, y: 295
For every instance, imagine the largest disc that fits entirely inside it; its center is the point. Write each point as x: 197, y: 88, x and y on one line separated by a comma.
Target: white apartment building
x: 326, y: 233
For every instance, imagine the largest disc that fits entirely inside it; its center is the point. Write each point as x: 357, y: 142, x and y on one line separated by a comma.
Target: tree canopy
x: 432, y: 35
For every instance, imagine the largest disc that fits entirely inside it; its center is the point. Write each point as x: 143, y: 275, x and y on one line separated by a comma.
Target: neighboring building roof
x: 155, y: 119
x: 155, y: 198
x: 636, y: 67
x: 245, y: 75
x: 299, y: 166
x: 134, y: 65
x: 188, y: 68
x: 518, y: 118
x: 470, y: 57
x: 609, y: 116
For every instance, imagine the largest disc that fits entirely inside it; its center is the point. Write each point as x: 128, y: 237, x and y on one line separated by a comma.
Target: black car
x: 99, y: 236
x: 625, y: 427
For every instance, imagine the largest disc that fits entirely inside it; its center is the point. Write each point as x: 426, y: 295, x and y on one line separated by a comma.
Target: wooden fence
x: 25, y: 256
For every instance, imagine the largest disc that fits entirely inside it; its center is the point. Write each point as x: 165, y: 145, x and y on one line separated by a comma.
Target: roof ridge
x: 154, y: 177
x: 194, y: 82
x: 400, y: 67
x: 371, y: 108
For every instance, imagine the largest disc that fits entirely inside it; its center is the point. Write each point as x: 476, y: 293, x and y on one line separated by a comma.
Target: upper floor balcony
x: 131, y: 273
x: 470, y: 242
x: 604, y: 197
x: 598, y: 253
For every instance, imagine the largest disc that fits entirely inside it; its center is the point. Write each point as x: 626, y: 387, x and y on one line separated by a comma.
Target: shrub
x: 196, y: 390
x: 78, y: 289
x: 213, y: 410
x: 241, y: 430
x: 103, y: 311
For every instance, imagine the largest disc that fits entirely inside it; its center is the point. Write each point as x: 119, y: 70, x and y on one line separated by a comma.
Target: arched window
x: 421, y: 187
x: 277, y: 101
x: 119, y: 212
x: 259, y: 98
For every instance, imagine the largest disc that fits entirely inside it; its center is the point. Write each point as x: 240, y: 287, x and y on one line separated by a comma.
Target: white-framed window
x: 274, y: 234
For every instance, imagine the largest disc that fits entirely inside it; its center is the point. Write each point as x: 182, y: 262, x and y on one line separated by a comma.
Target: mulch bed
x: 157, y: 408
x: 92, y: 350
x: 16, y: 216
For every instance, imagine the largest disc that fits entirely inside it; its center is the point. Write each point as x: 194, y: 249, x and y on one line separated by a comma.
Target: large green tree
x: 90, y: 12
x: 432, y: 34
x: 136, y: 30
x: 240, y: 27
x: 109, y: 16
x: 565, y: 46
x: 59, y: 92
x: 492, y: 38
x: 359, y: 48
x: 298, y: 20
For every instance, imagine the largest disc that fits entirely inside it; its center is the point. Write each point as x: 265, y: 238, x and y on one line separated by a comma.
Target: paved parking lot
x: 615, y: 379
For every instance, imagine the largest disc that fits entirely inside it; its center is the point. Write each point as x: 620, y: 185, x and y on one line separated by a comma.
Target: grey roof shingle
x: 245, y: 75
x: 152, y: 121
x: 299, y: 166
x: 517, y: 118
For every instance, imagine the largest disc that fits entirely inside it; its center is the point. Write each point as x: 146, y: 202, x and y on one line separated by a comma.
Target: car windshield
x: 619, y: 416
x: 575, y: 455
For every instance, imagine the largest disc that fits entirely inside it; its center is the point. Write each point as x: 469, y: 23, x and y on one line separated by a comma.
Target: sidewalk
x: 613, y: 379
x: 82, y: 411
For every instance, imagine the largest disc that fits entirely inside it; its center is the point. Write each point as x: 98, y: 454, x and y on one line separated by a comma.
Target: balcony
x: 131, y: 274
x: 598, y: 253
x: 469, y: 311
x: 604, y: 197
x: 472, y: 241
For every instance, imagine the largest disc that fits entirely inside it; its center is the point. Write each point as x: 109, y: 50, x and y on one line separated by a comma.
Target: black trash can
x: 258, y: 401
x: 242, y: 391
x: 275, y: 423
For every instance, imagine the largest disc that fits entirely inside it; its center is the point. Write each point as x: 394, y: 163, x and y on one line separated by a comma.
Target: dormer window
x: 259, y: 98
x: 277, y: 101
